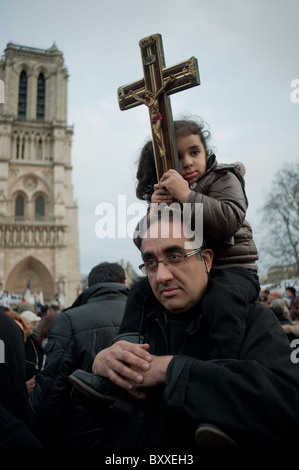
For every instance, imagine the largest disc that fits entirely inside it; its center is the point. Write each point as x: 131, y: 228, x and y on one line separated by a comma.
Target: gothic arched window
x: 39, y: 207
x: 40, y: 103
x: 22, y: 95
x: 17, y: 147
x: 20, y: 148
x: 19, y: 206
x: 39, y: 153
x: 23, y: 149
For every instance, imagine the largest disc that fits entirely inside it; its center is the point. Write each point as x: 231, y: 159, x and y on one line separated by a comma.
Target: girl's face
x: 192, y: 157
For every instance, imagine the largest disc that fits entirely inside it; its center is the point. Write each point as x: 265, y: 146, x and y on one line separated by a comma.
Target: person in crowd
x: 46, y: 320
x: 33, y: 318
x: 54, y: 308
x: 263, y: 297
x: 75, y: 336
x: 274, y: 294
x: 26, y: 306
x: 168, y: 377
x: 13, y: 390
x: 290, y: 293
x: 33, y: 350
x: 292, y: 331
x: 14, y: 421
x: 43, y: 310
x: 281, y: 311
x: 15, y: 433
x: 294, y: 299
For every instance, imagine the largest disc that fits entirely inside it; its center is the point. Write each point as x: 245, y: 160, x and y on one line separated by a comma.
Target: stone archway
x: 35, y: 271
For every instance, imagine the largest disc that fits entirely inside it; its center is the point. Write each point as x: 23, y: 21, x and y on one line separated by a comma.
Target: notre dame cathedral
x: 38, y: 215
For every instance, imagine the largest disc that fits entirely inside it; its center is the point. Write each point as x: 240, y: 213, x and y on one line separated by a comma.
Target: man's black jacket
x: 254, y: 398
x: 76, y: 336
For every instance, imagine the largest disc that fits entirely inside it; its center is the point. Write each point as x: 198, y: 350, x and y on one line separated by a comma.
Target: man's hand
x: 131, y: 367
x: 30, y: 384
x: 122, y: 363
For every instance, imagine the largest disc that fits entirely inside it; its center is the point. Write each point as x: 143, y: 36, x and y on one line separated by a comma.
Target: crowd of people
x: 192, y: 356
x: 35, y: 323
x: 46, y: 412
x: 285, y: 306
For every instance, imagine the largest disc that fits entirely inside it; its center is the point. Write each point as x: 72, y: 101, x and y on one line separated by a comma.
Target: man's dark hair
x: 55, y: 307
x: 106, y: 272
x: 172, y: 212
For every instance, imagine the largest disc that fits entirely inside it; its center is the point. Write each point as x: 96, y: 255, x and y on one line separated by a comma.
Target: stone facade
x: 38, y: 215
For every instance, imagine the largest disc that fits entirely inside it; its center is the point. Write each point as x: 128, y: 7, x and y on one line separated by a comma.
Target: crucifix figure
x: 153, y: 91
x: 151, y: 100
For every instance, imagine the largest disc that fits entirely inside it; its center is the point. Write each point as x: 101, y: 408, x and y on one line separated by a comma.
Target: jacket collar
x: 153, y: 310
x: 211, y: 163
x: 92, y: 293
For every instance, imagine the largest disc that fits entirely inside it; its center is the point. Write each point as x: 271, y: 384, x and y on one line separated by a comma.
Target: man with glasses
x: 167, y: 378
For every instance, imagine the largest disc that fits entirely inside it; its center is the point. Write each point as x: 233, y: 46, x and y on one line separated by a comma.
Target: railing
x: 23, y: 220
x: 26, y: 48
x: 32, y: 235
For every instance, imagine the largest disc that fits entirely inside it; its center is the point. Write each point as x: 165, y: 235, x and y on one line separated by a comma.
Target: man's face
x: 177, y: 287
x: 274, y: 294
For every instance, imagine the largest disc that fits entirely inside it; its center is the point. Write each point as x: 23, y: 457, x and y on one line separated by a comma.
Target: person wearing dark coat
x: 14, y: 421
x: 76, y: 335
x: 175, y: 389
x: 13, y: 390
x: 14, y: 433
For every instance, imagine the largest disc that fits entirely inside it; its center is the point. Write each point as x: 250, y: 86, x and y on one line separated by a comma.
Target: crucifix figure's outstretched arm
x: 150, y: 99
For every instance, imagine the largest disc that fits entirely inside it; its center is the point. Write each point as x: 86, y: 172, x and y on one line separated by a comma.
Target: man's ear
x: 208, y: 258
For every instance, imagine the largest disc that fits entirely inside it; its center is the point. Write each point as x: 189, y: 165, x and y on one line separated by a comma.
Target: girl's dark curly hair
x: 146, y: 172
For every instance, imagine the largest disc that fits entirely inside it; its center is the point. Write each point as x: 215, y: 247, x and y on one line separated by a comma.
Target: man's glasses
x: 150, y: 266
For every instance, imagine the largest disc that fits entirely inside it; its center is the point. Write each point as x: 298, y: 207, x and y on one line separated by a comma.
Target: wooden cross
x: 153, y: 90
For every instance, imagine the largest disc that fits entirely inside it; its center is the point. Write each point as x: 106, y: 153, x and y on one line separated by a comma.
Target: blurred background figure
x: 290, y: 294
x: 28, y: 322
x: 263, y: 297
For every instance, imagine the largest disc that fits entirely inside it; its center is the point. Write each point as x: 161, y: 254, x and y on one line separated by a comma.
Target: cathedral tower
x: 38, y: 215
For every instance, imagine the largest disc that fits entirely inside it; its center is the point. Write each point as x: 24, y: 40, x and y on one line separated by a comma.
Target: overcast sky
x: 248, y: 56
